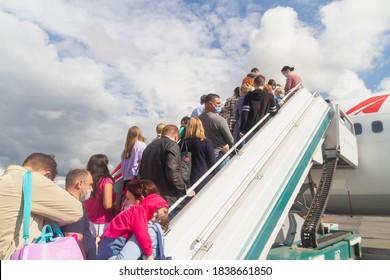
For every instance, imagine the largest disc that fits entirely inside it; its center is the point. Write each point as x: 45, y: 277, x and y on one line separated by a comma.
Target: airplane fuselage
x: 365, y: 190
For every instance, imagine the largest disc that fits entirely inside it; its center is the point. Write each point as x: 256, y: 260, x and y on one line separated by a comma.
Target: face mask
x: 281, y: 96
x: 127, y: 207
x: 85, y: 196
x: 285, y: 74
x: 217, y: 110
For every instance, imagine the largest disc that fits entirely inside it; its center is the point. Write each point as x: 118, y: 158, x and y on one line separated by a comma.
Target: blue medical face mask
x: 217, y: 110
x: 85, y: 196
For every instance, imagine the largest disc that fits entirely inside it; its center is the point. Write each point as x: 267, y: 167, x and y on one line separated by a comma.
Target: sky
x: 76, y: 75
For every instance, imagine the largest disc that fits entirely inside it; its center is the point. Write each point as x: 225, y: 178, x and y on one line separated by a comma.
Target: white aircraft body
x: 364, y: 190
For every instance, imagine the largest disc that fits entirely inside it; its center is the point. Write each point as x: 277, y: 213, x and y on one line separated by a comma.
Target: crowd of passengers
x: 131, y: 226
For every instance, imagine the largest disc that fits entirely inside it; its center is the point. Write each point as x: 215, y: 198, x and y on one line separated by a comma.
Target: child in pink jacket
x: 133, y: 220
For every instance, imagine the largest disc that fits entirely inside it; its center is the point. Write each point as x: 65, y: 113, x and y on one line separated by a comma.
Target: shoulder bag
x: 186, y: 163
x: 47, y: 246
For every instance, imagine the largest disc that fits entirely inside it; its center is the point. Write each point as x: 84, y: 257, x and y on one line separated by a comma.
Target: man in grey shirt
x: 215, y: 127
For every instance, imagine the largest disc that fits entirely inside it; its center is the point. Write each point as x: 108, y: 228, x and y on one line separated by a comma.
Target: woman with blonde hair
x: 159, y: 129
x: 132, y: 153
x: 201, y: 149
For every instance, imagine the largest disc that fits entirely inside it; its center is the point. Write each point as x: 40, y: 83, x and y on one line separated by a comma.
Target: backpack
x: 160, y: 255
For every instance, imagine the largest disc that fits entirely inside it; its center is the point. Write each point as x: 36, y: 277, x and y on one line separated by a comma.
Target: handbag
x: 186, y: 163
x: 47, y: 246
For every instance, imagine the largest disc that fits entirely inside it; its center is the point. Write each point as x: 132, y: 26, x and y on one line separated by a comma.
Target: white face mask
x: 281, y: 95
x: 85, y: 196
x: 127, y: 207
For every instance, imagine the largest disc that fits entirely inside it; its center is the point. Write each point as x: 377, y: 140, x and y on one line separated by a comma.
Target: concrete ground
x: 374, y: 230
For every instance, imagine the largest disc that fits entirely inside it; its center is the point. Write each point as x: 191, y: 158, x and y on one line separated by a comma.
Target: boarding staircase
x: 340, y: 145
x: 241, y: 210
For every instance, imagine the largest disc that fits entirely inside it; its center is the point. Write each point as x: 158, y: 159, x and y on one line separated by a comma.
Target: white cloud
x: 74, y: 163
x: 347, y: 84
x: 3, y: 164
x: 329, y: 59
x: 50, y: 114
x: 283, y: 40
x: 77, y: 77
x: 355, y: 29
x: 50, y: 104
x: 385, y: 84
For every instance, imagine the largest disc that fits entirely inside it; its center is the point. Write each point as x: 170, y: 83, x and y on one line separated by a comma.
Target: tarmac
x: 374, y: 230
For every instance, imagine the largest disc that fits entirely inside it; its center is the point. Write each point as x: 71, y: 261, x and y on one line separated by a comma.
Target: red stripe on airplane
x: 117, y: 172
x: 370, y: 105
x: 118, y: 176
x: 117, y: 168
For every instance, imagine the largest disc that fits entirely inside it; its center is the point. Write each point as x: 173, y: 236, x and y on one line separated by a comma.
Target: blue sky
x: 75, y: 77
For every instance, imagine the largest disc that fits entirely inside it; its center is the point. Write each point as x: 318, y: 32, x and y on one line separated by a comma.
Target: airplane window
x: 377, y: 126
x: 358, y: 128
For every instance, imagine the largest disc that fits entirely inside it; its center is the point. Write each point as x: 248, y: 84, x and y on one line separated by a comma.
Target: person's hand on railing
x: 225, y: 148
x: 191, y: 194
x: 241, y: 134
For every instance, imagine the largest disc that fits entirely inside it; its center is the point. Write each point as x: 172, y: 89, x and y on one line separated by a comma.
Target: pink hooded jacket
x: 134, y: 220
